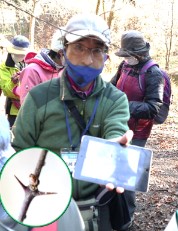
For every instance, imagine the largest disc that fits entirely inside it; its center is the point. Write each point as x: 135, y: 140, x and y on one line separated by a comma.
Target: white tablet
x: 101, y: 161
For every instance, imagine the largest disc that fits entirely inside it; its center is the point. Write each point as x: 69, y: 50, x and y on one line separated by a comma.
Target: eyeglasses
x: 81, y: 50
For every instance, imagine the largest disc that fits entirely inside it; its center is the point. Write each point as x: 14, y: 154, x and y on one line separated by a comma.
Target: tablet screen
x: 101, y: 161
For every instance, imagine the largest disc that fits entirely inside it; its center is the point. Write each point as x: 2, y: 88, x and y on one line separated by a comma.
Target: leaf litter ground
x: 156, y: 207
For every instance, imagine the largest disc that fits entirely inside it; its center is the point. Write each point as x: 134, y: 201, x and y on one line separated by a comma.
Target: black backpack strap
x: 76, y: 114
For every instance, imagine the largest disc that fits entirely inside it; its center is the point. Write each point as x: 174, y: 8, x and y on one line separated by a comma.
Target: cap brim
x: 122, y: 53
x: 11, y: 50
x: 126, y: 53
x: 77, y: 35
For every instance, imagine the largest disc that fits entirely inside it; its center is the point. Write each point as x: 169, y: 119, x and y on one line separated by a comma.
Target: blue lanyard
x: 87, y: 126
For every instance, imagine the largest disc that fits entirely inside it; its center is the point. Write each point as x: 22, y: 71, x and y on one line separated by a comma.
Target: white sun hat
x: 19, y: 45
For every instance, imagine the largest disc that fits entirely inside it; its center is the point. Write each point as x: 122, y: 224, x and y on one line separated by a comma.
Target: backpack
x: 96, y: 209
x: 164, y: 110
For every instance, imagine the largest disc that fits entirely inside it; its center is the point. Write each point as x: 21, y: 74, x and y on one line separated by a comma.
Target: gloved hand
x: 15, y: 78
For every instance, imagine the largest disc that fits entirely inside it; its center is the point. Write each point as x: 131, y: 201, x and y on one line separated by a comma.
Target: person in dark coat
x: 143, y: 106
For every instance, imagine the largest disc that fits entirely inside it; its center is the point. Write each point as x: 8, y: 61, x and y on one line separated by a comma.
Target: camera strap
x: 76, y: 114
x: 79, y: 119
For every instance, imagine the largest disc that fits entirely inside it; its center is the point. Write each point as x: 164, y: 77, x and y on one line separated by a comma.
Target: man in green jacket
x: 44, y: 119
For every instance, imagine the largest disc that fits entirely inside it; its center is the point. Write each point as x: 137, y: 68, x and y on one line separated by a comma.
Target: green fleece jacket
x: 42, y: 120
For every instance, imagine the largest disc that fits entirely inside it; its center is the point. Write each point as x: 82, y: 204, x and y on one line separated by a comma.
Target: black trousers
x: 11, y: 119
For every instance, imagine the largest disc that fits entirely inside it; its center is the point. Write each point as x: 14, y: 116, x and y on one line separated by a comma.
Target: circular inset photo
x: 36, y: 187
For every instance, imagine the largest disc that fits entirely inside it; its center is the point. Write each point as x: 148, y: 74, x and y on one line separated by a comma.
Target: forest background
x: 158, y: 21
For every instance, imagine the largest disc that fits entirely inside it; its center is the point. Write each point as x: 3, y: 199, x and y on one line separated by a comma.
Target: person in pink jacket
x: 41, y: 67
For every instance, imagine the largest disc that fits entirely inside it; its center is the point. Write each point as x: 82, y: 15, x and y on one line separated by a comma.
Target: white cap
x: 84, y: 25
x: 57, y: 40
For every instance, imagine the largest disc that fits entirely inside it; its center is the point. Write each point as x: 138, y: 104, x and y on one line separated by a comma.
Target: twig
x: 41, y: 163
x: 31, y: 190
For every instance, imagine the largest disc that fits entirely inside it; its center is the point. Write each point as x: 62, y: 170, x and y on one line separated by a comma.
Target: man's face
x: 86, y: 52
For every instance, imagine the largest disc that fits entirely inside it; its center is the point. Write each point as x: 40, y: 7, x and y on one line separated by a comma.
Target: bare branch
x: 40, y: 163
x: 31, y: 190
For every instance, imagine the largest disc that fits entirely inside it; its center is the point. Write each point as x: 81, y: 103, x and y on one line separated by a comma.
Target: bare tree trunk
x: 111, y: 14
x: 32, y: 23
x: 97, y: 6
x: 170, y: 36
x: 103, y: 7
